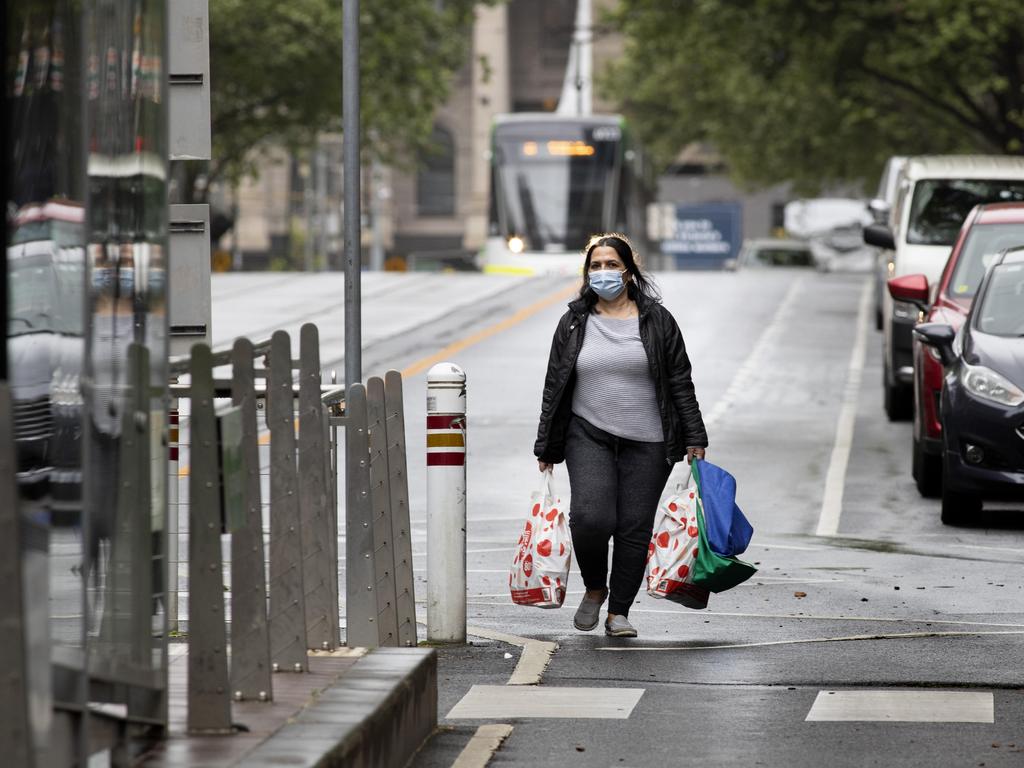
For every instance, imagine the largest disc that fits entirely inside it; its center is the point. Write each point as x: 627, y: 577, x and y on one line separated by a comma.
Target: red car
x: 986, y: 231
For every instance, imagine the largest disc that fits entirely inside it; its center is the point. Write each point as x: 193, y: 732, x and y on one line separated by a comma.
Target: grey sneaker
x: 619, y: 627
x: 589, y: 613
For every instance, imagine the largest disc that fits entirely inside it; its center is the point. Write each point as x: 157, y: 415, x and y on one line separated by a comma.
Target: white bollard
x: 446, y: 504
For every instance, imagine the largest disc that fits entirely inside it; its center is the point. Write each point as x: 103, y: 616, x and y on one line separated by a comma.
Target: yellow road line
x: 457, y: 346
x: 485, y: 333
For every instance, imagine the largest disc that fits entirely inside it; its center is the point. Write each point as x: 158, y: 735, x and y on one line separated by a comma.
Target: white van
x: 933, y: 197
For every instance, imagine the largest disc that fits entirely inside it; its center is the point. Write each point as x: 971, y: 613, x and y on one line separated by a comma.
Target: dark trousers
x: 616, y: 485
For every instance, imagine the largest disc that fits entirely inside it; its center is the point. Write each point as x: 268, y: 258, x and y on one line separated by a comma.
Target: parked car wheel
x: 927, y: 471
x: 898, y: 398
x: 959, y: 508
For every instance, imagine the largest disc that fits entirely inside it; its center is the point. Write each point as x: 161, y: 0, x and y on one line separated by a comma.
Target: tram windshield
x: 555, y: 183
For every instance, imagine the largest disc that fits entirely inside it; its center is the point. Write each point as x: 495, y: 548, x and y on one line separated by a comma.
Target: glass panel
x: 435, y: 182
x: 45, y: 269
x: 126, y: 343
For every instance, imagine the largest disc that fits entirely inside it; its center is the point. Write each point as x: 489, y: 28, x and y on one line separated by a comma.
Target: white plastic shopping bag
x: 540, y: 570
x: 673, y: 549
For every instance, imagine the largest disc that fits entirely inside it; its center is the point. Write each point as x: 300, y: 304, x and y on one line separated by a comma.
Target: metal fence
x: 283, y: 570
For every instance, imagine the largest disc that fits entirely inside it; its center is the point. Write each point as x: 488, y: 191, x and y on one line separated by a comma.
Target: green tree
x: 819, y: 91
x: 276, y: 74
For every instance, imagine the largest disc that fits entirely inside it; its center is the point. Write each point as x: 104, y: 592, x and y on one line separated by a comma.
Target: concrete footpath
x: 353, y: 708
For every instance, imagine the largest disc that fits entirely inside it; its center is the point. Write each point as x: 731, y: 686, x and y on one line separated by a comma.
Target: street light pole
x: 350, y: 151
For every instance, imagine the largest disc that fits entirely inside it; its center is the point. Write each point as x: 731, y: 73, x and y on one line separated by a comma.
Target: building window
x: 435, y: 183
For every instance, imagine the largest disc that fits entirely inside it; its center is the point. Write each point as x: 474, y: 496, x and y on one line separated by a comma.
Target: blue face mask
x: 607, y: 283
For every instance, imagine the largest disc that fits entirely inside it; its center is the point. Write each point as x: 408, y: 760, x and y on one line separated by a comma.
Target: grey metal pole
x: 350, y: 130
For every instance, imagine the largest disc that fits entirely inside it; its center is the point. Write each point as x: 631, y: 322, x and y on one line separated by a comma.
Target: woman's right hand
x: 543, y: 466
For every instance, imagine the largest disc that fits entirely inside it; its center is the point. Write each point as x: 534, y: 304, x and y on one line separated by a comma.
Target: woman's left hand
x: 694, y: 451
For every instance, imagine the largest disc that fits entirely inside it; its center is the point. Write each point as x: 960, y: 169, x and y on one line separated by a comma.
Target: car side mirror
x: 879, y: 236
x: 940, y: 336
x: 912, y: 289
x: 879, y: 210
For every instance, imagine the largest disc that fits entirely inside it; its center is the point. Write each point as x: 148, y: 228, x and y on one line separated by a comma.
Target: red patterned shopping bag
x: 540, y: 570
x: 673, y: 549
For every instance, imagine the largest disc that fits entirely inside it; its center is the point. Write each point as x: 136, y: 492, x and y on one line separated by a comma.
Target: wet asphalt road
x: 893, y: 600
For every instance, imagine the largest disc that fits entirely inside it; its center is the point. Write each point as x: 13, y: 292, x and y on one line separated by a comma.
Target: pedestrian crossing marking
x: 501, y: 701
x: 902, y: 707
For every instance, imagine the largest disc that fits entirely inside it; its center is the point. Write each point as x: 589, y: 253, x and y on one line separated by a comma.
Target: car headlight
x: 988, y: 385
x: 516, y: 244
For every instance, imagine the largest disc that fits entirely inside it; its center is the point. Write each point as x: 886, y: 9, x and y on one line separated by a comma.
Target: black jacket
x: 670, y: 368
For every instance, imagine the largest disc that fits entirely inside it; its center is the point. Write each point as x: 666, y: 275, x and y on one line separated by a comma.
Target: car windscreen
x: 940, y: 206
x: 1002, y: 310
x: 983, y: 244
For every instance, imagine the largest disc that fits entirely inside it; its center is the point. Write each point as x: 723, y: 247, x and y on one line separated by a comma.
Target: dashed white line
x: 903, y: 707
x: 748, y: 375
x: 835, y: 479
x: 532, y: 662
x: 481, y: 748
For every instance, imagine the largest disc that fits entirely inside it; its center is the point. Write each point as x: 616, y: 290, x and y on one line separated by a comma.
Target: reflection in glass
x: 126, y: 336
x: 45, y: 270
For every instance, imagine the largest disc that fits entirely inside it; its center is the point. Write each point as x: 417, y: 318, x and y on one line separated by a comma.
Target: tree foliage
x: 276, y: 73
x: 820, y: 91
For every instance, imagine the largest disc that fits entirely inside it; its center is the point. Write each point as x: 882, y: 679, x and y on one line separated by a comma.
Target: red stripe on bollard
x: 447, y: 421
x: 446, y: 459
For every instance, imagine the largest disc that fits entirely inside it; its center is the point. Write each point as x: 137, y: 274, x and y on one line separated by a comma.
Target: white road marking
x: 903, y: 707
x: 481, y: 748
x: 500, y: 701
x: 806, y: 641
x: 532, y: 661
x: 835, y: 479
x: 747, y: 377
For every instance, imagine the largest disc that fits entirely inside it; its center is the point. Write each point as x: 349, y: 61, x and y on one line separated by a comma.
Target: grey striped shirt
x: 614, y: 389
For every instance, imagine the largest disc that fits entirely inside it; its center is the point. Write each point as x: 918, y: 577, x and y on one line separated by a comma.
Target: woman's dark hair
x: 639, y: 284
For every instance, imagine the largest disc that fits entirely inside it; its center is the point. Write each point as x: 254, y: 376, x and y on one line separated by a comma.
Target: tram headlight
x: 516, y: 244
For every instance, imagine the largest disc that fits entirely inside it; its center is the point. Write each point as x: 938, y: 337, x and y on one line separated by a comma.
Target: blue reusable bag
x: 728, y: 531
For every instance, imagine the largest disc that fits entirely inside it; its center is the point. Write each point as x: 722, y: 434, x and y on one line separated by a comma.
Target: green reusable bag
x: 710, y: 569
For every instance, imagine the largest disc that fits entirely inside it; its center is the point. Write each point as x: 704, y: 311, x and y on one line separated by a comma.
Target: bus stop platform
x: 353, y: 707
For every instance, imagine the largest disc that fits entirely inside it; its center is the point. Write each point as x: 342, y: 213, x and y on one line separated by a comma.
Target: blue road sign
x: 705, y: 235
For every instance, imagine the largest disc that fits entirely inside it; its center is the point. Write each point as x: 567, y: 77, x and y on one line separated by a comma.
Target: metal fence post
x: 331, y: 473
x: 318, y: 566
x: 173, y: 508
x: 125, y: 626
x: 287, y: 610
x: 209, y: 702
x: 405, y: 589
x: 380, y: 498
x: 361, y: 600
x: 446, y: 504
x: 250, y: 638
x: 15, y: 733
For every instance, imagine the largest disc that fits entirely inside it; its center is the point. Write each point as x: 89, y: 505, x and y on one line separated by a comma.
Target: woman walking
x: 619, y: 407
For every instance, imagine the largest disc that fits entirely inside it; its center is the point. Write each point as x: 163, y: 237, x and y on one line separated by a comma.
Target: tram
x: 555, y: 181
